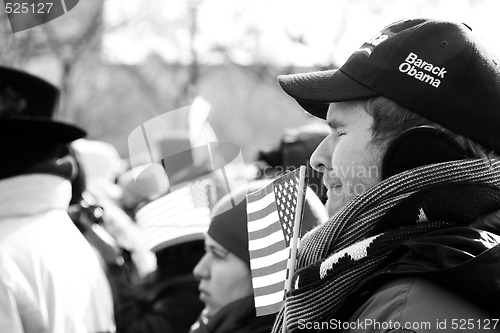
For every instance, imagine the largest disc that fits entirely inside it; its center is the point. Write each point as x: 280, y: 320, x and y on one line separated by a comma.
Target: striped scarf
x: 332, y: 255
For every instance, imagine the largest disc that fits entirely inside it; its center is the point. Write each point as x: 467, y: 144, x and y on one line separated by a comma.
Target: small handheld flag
x: 274, y: 216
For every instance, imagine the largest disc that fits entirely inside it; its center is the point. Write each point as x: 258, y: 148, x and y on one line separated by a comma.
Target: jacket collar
x: 238, y: 316
x: 34, y: 193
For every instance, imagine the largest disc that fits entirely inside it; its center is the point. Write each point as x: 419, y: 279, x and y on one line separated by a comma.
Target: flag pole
x: 295, y: 238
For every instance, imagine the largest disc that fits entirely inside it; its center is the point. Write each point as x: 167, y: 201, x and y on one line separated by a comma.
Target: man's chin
x: 334, y: 205
x: 208, y: 312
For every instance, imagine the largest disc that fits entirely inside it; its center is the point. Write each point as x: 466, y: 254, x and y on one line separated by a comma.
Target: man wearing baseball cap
x: 50, y: 278
x: 412, y: 170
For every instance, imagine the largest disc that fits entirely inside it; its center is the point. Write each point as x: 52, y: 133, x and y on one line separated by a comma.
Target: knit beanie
x: 229, y: 228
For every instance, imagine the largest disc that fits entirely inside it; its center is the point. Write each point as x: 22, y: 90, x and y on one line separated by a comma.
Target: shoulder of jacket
x: 414, y: 304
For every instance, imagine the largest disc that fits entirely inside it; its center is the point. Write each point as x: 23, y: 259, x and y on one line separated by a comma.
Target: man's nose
x: 201, y: 271
x: 322, y: 155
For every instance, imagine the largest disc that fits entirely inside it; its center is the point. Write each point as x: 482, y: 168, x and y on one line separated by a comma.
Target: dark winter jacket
x: 237, y: 317
x: 445, y: 281
x: 170, y: 302
x: 169, y: 308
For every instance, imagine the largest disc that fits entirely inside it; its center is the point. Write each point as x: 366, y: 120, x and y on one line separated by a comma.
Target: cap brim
x: 315, y: 90
x: 39, y: 129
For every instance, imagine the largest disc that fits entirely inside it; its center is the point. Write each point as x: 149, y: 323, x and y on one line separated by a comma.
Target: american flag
x: 179, y: 216
x: 271, y: 216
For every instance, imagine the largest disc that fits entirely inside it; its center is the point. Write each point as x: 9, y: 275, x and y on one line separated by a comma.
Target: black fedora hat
x: 32, y: 116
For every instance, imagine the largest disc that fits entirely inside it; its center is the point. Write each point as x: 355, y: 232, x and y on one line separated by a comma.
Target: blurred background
x: 121, y: 63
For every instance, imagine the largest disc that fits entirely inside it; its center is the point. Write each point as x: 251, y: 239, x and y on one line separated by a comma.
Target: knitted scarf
x: 335, y: 257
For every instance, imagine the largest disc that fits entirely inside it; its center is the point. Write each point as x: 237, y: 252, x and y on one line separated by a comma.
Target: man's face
x: 224, y: 278
x: 350, y: 163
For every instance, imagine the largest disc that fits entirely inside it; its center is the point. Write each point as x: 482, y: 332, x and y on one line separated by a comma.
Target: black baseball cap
x: 437, y: 69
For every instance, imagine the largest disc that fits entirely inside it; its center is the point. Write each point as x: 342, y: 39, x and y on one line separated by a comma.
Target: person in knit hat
x: 412, y: 168
x: 224, y: 274
x: 224, y: 271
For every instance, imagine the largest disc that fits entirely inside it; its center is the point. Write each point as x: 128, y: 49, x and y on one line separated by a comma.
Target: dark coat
x: 237, y: 317
x: 170, y: 302
x: 170, y: 307
x: 445, y: 278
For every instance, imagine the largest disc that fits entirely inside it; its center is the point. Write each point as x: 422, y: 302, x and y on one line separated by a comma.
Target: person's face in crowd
x: 224, y: 277
x: 350, y: 163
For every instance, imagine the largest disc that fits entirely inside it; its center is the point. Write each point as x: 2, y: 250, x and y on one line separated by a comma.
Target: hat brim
x: 39, y: 129
x: 315, y: 90
x: 179, y: 238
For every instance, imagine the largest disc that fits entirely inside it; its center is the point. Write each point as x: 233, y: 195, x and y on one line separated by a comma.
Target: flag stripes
x: 263, y: 261
x: 264, y: 221
x: 166, y: 207
x: 181, y: 215
x: 266, y: 230
x: 265, y: 304
x: 260, y: 200
x: 263, y: 281
x: 266, y: 211
x: 264, y: 252
x: 266, y: 270
x: 268, y: 289
x: 271, y: 214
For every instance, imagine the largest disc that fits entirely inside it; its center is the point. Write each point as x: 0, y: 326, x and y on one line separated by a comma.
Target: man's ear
x: 419, y: 146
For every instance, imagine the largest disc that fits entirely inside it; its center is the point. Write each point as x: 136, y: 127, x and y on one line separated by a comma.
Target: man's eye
x: 219, y: 254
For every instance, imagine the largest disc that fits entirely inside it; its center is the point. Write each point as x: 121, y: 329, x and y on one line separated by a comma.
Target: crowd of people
x: 400, y: 229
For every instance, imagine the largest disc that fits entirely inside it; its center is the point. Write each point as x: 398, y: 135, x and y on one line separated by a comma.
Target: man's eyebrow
x: 217, y: 249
